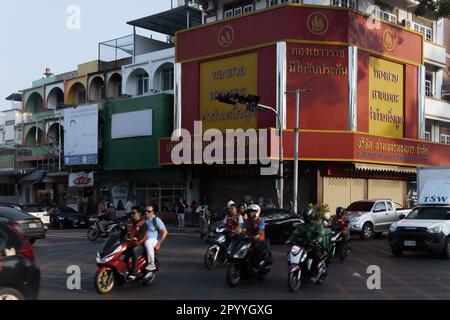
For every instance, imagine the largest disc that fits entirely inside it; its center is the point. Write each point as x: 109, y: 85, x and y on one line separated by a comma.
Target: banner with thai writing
x: 231, y: 75
x: 386, y: 107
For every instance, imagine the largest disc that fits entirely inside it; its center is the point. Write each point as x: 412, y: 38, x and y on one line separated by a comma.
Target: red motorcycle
x: 112, y: 270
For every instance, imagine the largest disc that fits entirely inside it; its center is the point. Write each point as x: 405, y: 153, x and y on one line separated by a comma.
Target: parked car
x: 279, y: 224
x: 19, y: 276
x: 427, y: 227
x: 373, y: 217
x: 25, y: 223
x: 68, y: 218
x: 32, y: 209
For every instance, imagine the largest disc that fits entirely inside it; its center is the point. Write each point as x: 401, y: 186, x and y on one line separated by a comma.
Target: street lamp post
x: 296, y: 140
x: 281, y: 159
x: 253, y: 104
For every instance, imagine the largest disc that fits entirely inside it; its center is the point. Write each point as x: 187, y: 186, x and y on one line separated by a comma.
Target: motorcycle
x: 300, y: 262
x: 112, y: 270
x: 243, y: 264
x: 94, y: 232
x: 217, y: 253
x: 339, y: 244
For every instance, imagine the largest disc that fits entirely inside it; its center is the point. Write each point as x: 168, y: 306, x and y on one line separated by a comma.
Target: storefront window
x: 163, y: 196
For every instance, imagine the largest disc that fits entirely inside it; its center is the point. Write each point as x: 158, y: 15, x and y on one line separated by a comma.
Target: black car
x: 25, y: 223
x: 279, y: 224
x: 68, y: 218
x: 19, y: 276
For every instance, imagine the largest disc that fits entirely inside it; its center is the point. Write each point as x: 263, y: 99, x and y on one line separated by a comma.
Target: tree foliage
x: 439, y: 7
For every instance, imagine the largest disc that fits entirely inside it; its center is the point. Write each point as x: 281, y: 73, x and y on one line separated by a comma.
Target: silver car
x: 373, y: 217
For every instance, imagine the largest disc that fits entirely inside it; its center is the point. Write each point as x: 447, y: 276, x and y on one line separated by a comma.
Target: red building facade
x: 360, y: 126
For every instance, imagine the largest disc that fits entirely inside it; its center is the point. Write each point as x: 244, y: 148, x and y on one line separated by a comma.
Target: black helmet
x: 308, y: 214
x: 340, y: 211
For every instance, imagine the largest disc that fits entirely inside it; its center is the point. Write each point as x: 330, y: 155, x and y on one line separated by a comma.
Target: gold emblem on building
x: 225, y: 36
x: 318, y: 23
x: 388, y: 40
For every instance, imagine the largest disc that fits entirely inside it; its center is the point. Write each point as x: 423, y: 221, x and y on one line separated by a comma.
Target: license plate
x: 32, y: 225
x: 82, y: 222
x: 410, y: 243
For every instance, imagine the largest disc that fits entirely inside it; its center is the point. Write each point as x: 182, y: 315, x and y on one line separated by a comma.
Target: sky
x: 34, y: 35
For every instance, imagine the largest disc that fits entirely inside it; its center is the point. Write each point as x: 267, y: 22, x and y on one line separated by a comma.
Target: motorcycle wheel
x: 294, y: 282
x: 104, y: 281
x: 233, y: 275
x: 92, y: 234
x: 210, y: 261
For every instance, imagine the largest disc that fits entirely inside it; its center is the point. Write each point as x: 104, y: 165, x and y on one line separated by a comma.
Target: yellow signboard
x: 386, y: 98
x: 230, y: 75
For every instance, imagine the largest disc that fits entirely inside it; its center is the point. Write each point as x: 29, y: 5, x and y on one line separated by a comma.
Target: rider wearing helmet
x: 340, y: 222
x: 254, y: 227
x: 312, y: 232
x: 233, y: 220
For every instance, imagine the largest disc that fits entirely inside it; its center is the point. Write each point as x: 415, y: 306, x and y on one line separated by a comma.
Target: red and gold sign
x: 388, y: 40
x: 318, y: 23
x: 225, y: 37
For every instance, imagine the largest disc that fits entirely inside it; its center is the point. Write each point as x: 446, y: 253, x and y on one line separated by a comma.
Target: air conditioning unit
x: 208, y: 6
x: 407, y: 23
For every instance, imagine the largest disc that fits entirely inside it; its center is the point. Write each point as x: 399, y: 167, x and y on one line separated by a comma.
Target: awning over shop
x: 35, y: 176
x: 383, y: 168
x: 171, y: 21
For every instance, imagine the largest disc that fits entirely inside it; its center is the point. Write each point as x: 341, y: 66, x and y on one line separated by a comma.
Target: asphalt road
x: 183, y: 276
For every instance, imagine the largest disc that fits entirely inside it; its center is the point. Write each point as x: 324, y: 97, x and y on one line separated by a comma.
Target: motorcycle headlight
x: 393, y: 228
x: 221, y: 239
x: 242, y: 251
x: 220, y: 230
x: 435, y: 230
x: 304, y: 256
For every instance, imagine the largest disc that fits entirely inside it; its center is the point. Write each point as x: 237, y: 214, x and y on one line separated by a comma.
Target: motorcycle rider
x: 156, y: 235
x: 137, y: 235
x: 340, y: 222
x: 233, y: 220
x: 311, y: 231
x: 254, y: 227
x: 107, y: 217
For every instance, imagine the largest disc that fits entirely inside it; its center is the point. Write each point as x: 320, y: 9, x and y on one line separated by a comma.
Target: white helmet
x: 230, y: 203
x: 256, y: 208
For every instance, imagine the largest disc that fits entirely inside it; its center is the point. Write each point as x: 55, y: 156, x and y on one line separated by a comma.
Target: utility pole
x: 296, y: 140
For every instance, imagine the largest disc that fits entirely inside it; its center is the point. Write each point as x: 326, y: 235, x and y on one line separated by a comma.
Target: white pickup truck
x: 373, y: 217
x: 427, y: 227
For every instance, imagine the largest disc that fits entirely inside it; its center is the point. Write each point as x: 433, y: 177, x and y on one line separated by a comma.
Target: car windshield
x: 360, y: 206
x: 31, y: 208
x: 430, y: 213
x: 274, y: 214
x: 14, y: 214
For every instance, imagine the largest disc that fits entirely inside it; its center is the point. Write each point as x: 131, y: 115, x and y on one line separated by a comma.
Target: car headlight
x: 354, y: 219
x: 393, y: 228
x: 435, y: 230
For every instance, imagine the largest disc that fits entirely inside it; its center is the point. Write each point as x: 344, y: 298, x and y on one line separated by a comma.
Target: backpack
x: 155, y: 224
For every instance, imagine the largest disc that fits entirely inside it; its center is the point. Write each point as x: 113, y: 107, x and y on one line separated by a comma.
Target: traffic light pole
x: 281, y: 159
x: 296, y: 140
